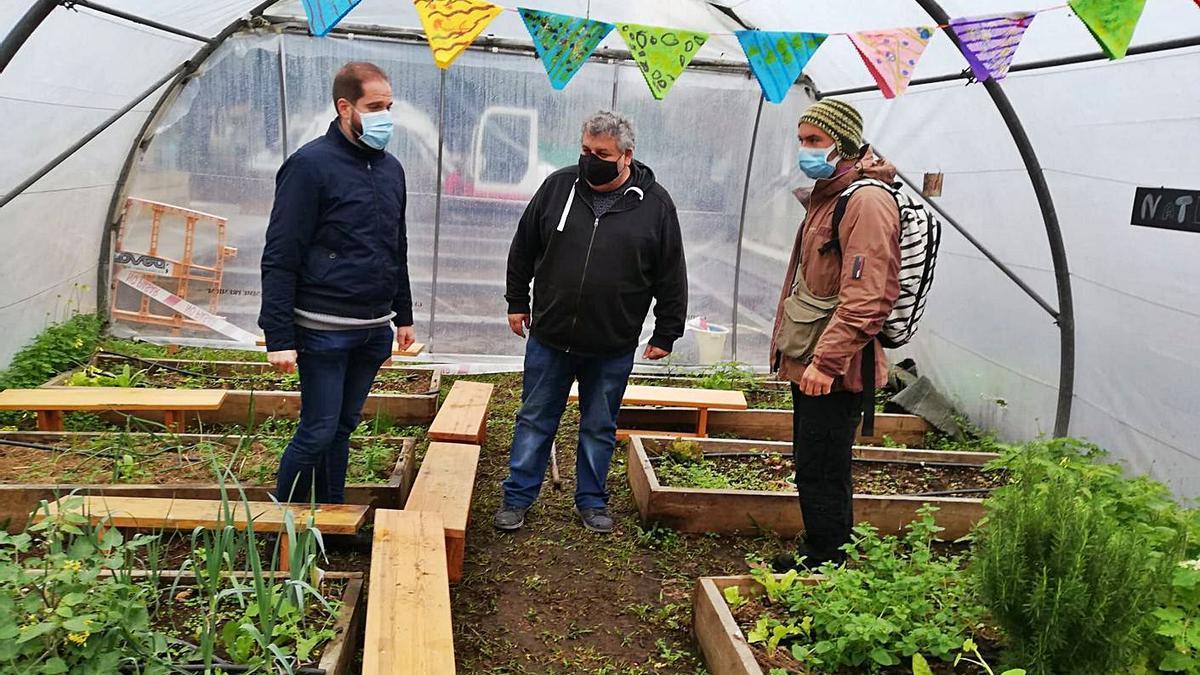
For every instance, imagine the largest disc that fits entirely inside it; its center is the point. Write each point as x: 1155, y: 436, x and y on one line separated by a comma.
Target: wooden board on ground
x: 409, y: 630
x: 445, y: 485
x: 50, y: 403
x: 18, y: 500
x: 755, y: 511
x: 678, y: 397
x: 152, y: 513
x: 772, y: 425
x: 463, y: 415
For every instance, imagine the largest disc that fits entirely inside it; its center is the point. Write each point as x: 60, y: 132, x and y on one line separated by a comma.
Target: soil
x: 119, y: 458
x: 776, y: 472
x: 259, y: 379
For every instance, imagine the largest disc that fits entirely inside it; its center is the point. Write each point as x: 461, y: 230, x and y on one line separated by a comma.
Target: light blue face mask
x: 377, y: 129
x: 814, y: 162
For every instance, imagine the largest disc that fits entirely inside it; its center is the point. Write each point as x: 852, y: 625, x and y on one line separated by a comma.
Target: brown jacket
x: 870, y: 230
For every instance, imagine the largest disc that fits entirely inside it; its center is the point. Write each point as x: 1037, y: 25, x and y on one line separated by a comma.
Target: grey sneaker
x: 595, y: 520
x: 509, y: 518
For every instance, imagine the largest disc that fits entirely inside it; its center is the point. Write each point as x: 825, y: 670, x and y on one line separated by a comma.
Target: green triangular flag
x: 661, y: 53
x: 1111, y: 22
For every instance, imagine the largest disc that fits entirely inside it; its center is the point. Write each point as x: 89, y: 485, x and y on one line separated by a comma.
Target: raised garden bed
x: 381, y: 472
x: 772, y: 425
x: 723, y: 642
x: 775, y: 509
x: 258, y: 392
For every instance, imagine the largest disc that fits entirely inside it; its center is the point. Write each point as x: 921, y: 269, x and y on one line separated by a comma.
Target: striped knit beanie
x: 841, y: 121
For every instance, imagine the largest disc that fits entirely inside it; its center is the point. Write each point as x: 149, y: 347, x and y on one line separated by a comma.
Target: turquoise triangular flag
x: 323, y: 15
x: 778, y: 58
x: 563, y: 42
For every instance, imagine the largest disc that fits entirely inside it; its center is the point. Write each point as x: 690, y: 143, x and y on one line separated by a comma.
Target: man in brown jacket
x: 859, y: 284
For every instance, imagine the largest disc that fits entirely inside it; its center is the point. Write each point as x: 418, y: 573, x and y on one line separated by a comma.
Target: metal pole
x: 283, y: 100
x: 62, y: 156
x: 1058, y: 251
x: 133, y: 18
x: 737, y: 265
x: 1149, y: 48
x: 616, y: 84
x: 437, y: 208
x: 33, y: 17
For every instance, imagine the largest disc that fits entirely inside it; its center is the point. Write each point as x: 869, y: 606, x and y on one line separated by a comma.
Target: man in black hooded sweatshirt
x: 599, y: 241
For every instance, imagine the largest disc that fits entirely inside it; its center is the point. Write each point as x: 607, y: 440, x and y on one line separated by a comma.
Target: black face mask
x: 597, y: 171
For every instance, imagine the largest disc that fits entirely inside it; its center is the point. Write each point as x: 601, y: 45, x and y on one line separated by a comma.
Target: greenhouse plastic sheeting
x: 1101, y: 129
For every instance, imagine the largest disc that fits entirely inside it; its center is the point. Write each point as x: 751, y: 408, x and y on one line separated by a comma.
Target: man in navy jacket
x: 335, y: 279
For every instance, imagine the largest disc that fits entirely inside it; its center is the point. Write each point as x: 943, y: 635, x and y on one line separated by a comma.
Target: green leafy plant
x: 1073, y: 558
x: 58, y: 348
x: 1179, y: 621
x: 730, y: 375
x: 969, y: 654
x: 684, y: 451
x: 897, y: 599
x: 91, y: 376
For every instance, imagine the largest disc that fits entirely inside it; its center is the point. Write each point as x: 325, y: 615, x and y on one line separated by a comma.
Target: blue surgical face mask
x: 376, y: 128
x: 814, y: 162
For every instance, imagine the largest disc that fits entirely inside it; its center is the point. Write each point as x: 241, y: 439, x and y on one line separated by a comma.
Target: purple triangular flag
x: 990, y: 42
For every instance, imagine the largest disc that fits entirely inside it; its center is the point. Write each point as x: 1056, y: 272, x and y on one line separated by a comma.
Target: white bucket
x: 710, y: 344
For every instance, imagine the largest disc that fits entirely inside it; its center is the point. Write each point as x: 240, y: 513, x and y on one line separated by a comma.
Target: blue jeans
x: 549, y: 374
x: 337, y: 369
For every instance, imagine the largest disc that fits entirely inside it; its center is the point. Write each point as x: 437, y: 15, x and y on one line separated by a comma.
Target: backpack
x: 920, y: 237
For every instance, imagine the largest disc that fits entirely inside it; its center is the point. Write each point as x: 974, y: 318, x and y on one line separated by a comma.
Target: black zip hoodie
x: 593, y: 278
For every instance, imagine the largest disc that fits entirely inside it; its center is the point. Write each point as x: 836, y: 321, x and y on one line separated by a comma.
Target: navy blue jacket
x: 336, y: 243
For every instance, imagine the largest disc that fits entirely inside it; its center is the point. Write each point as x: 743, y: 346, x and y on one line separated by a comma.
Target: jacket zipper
x: 582, y: 278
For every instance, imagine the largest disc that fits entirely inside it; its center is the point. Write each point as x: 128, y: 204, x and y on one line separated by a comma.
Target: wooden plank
x: 721, y: 641
x: 463, y: 416
x: 408, y: 612
x: 445, y: 485
x: 185, y: 514
x: 110, y: 398
x: 338, y: 654
x: 679, y: 397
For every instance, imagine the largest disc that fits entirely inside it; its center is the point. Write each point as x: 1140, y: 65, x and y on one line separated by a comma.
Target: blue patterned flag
x: 563, y: 42
x: 778, y: 58
x: 323, y: 15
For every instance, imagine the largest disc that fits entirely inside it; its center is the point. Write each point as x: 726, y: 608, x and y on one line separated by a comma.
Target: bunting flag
x: 990, y: 42
x: 563, y: 42
x: 452, y: 25
x: 778, y: 58
x: 892, y: 55
x: 1111, y: 22
x: 323, y: 15
x: 661, y: 53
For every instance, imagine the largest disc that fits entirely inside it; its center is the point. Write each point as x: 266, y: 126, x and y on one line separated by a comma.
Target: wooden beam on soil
x: 722, y: 642
x: 463, y: 415
x: 773, y: 425
x: 444, y: 486
x: 50, y: 403
x: 409, y: 628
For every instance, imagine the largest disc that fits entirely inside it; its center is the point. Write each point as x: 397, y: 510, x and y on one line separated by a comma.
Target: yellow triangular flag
x: 452, y: 25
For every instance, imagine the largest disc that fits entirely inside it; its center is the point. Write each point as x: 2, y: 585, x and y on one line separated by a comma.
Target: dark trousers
x: 337, y: 368
x: 823, y: 432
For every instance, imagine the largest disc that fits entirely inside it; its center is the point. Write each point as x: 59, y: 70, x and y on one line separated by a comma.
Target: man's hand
x: 653, y: 353
x: 815, y: 383
x: 405, y: 337
x: 283, y: 361
x: 518, y: 323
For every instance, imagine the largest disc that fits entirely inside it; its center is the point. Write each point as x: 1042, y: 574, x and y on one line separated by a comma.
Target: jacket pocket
x: 318, y: 263
x: 805, y: 317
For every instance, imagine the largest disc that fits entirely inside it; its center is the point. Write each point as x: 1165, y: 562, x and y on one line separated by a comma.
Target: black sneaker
x: 596, y: 520
x: 510, y: 518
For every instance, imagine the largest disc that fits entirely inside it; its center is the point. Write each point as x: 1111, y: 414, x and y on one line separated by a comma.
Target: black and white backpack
x: 920, y: 237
